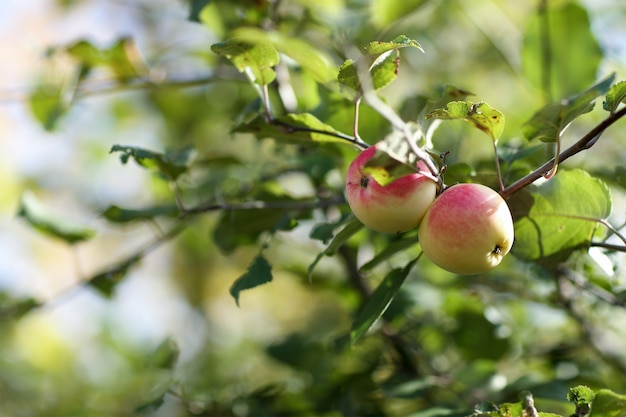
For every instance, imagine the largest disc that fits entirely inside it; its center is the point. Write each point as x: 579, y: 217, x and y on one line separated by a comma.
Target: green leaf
x: 165, y: 355
x: 39, y: 217
x: 309, y: 57
x: 326, y: 231
x: 582, y: 397
x: 243, y: 227
x: 122, y: 58
x: 258, y: 273
x: 608, y: 404
x: 299, y: 128
x: 169, y: 165
x: 393, y: 247
x: 383, y: 71
x: 121, y: 215
x: 384, y: 12
x: 255, y: 59
x: 382, y: 60
x: 105, y: 282
x: 352, y: 226
x: 561, y: 217
x: 376, y: 48
x: 615, y: 96
x: 548, y: 123
x: 47, y: 105
x: 379, y: 301
x: 571, y: 45
x: 480, y: 115
x: 195, y: 8
x: 14, y: 308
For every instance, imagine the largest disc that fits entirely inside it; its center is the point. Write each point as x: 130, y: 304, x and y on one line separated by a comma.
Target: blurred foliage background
x: 139, y: 318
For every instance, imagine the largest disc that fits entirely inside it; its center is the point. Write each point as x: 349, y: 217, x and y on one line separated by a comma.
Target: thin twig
x: 584, y: 143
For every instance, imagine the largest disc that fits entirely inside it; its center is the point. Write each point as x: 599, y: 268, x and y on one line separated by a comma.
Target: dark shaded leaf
x: 243, y: 227
x: 51, y: 224
x: 395, y: 246
x: 121, y: 215
x: 258, y: 273
x: 106, y: 282
x: 352, y: 227
x: 195, y: 7
x: 376, y: 305
x: 169, y: 165
x: 548, y: 123
x: 12, y: 308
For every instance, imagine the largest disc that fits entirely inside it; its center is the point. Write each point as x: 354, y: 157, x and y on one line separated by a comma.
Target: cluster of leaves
x: 554, y: 220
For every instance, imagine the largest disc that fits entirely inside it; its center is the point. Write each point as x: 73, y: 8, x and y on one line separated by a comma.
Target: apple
x: 395, y: 207
x: 467, y: 230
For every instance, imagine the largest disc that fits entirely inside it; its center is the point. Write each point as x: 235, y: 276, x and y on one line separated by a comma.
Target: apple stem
x: 498, y: 170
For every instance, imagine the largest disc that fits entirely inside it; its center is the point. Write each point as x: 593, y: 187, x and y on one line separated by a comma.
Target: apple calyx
x: 467, y: 230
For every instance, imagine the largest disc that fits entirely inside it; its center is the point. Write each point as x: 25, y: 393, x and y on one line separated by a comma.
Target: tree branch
x: 584, y: 143
x: 258, y: 204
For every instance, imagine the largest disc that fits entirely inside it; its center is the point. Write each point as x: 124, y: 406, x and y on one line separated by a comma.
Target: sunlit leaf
x: 571, y: 44
x: 49, y: 223
x: 47, y: 104
x: 122, y: 58
x: 255, y: 59
x: 350, y: 229
x: 561, y: 217
x: 446, y: 95
x: 385, y: 12
x: 258, y: 273
x: 376, y: 48
x: 608, y: 404
x: 121, y: 215
x: 165, y: 355
x: 382, y: 72
x: 615, y: 97
x: 170, y: 165
x: 299, y: 128
x: 382, y: 59
x: 480, y: 115
x: 548, y: 123
x: 380, y: 299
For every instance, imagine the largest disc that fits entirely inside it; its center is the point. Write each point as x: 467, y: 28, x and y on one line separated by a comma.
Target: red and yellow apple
x: 467, y: 230
x: 392, y: 207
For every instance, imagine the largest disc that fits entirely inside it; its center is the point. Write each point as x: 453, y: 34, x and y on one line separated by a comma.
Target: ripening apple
x: 467, y: 230
x: 391, y: 208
